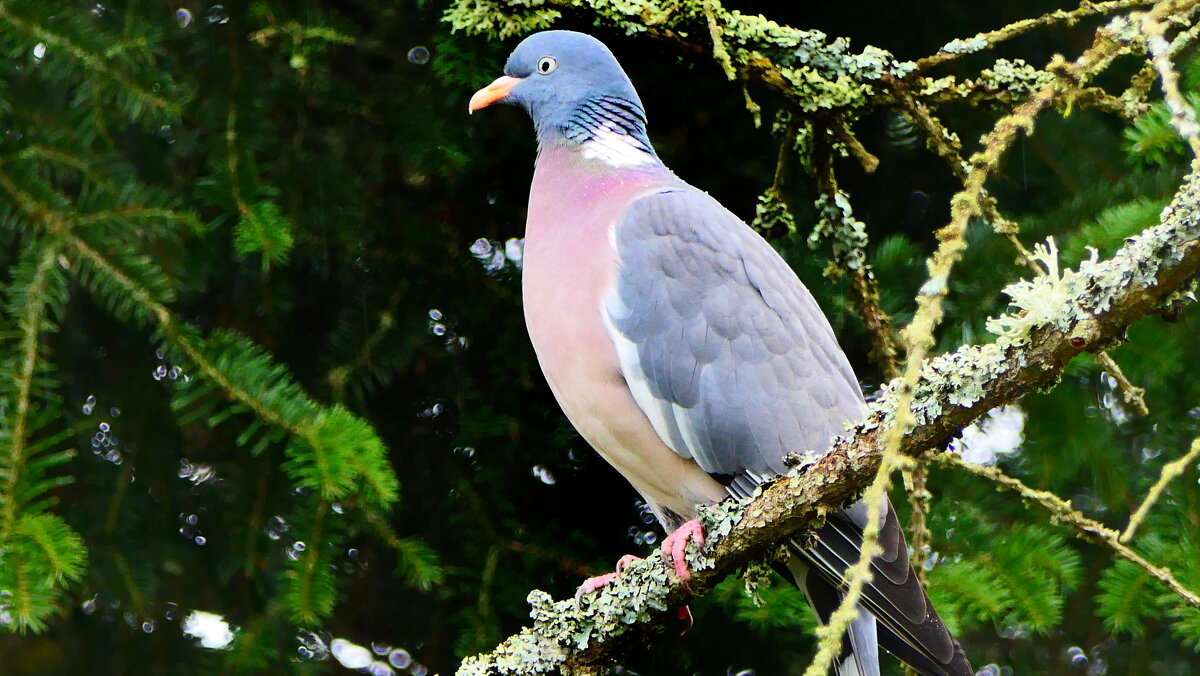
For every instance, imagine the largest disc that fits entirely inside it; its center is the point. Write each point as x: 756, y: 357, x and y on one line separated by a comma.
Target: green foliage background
x: 261, y: 352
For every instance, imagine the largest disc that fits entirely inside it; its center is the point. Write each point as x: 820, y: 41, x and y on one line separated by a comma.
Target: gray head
x: 572, y: 87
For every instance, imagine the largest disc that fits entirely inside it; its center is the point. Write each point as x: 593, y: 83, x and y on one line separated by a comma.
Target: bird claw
x: 592, y: 584
x: 675, y: 545
x: 600, y: 581
x: 684, y: 613
x: 624, y: 562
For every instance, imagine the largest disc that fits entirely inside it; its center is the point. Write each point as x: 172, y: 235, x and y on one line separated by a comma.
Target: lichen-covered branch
x: 1183, y: 117
x: 920, y: 538
x: 1084, y: 309
x: 959, y: 47
x: 1134, y: 98
x: 811, y: 71
x: 848, y: 239
x: 1089, y: 529
x: 1170, y: 472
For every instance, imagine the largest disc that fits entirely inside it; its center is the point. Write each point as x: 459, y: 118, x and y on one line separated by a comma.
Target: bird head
x: 572, y: 87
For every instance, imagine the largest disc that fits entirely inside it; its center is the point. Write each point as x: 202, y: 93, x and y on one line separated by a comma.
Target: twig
x: 972, y: 200
x: 1132, y: 393
x: 1134, y: 97
x: 1183, y: 118
x: 848, y: 241
x: 947, y: 145
x: 830, y: 635
x: 1086, y: 528
x: 982, y: 41
x: 1170, y: 472
x: 921, y: 538
x: 720, y: 54
x: 866, y: 160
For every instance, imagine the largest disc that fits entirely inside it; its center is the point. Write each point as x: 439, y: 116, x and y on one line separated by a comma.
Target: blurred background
x: 304, y: 175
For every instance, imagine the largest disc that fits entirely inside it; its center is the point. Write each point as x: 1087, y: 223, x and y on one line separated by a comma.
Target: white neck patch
x: 616, y: 149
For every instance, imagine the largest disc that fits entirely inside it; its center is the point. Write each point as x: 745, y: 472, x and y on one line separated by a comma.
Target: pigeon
x: 683, y: 348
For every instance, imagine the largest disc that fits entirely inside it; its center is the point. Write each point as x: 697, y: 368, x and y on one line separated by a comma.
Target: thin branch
x: 1183, y: 117
x: 948, y: 146
x: 1088, y: 529
x: 1132, y: 394
x: 920, y: 537
x: 868, y: 162
x: 1170, y: 472
x: 1134, y: 98
x: 958, y: 48
x: 848, y: 240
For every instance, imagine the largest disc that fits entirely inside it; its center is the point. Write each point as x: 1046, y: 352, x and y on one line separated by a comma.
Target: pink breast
x: 569, y: 264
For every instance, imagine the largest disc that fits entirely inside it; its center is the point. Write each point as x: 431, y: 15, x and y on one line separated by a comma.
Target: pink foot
x: 600, y: 581
x: 675, y: 544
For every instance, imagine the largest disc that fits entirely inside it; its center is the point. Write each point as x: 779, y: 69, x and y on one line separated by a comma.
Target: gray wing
x: 723, y: 347
x: 735, y: 365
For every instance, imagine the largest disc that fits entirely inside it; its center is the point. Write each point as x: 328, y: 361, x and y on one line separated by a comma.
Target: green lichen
x: 932, y: 87
x: 719, y: 519
x: 500, y: 20
x: 847, y: 234
x: 1184, y: 295
x: 1040, y: 301
x: 958, y: 378
x: 823, y: 72
x: 561, y: 628
x: 1062, y: 299
x: 1016, y: 77
x: 959, y: 46
x: 771, y: 214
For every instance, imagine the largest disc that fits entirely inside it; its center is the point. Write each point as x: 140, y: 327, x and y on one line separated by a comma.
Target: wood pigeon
x: 682, y: 347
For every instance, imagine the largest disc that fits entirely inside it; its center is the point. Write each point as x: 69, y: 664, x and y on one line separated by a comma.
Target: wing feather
x: 735, y: 365
x: 719, y: 333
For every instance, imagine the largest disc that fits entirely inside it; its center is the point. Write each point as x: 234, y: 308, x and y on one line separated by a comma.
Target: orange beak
x: 493, y: 92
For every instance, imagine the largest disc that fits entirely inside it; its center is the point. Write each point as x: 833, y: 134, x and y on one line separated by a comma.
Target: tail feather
x: 894, y: 605
x: 859, y: 655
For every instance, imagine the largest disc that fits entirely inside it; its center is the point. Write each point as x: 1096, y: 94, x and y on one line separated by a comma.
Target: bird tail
x: 859, y: 655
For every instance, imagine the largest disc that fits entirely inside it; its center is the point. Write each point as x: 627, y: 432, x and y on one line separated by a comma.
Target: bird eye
x: 546, y: 65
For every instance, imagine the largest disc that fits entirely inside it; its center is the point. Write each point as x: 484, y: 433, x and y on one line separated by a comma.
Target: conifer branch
x: 97, y: 63
x: 30, y: 325
x: 1086, y: 528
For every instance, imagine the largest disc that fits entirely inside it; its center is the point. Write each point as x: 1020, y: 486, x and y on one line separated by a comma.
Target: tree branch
x: 1102, y: 299
x: 1089, y: 529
